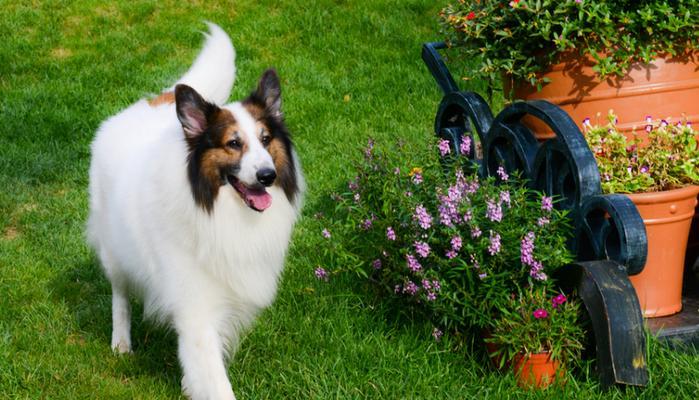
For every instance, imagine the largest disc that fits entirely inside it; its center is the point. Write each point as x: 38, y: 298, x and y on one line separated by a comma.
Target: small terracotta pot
x: 667, y: 216
x: 537, y: 370
x: 667, y: 87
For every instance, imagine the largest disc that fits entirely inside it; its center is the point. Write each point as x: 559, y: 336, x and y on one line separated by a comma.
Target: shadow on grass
x: 86, y: 292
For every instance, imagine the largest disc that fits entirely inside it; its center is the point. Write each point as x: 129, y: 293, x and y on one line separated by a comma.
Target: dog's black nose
x: 266, y: 176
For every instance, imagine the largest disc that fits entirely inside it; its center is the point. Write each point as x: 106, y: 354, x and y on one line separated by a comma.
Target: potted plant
x: 538, y: 332
x: 660, y: 173
x: 585, y: 56
x: 433, y: 238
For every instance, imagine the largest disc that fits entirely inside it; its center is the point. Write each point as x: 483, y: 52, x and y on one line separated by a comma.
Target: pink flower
x: 326, y: 233
x: 540, y: 313
x: 390, y: 233
x: 558, y: 300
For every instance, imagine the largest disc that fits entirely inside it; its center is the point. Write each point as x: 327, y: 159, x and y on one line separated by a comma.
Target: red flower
x: 471, y: 16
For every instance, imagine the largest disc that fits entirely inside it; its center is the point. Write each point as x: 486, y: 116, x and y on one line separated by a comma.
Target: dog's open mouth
x: 256, y: 198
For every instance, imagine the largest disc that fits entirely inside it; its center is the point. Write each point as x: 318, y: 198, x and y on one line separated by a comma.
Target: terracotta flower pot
x: 537, y: 370
x: 667, y: 87
x: 667, y: 216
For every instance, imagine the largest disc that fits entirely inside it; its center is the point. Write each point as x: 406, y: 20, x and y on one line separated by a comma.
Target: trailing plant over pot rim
x: 522, y: 38
x: 666, y: 158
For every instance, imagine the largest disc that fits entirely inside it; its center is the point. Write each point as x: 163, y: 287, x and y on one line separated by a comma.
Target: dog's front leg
x: 200, y: 351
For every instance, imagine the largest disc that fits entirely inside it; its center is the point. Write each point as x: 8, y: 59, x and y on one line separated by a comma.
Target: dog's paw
x: 188, y: 392
x: 121, y: 347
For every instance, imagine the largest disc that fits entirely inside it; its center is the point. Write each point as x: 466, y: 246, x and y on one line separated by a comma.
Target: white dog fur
x: 206, y: 274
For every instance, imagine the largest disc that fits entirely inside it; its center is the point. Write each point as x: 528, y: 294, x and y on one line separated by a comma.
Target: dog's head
x: 244, y: 144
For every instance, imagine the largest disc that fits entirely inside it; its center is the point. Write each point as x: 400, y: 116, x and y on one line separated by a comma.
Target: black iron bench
x: 610, y: 240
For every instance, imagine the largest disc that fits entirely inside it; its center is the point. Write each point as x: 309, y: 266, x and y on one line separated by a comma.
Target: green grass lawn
x: 350, y: 70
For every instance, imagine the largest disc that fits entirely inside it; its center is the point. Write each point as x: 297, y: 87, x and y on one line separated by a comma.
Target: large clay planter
x: 665, y: 88
x: 537, y: 370
x: 667, y: 216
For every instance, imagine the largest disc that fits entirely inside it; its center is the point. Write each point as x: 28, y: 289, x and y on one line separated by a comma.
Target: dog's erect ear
x: 192, y: 110
x: 269, y: 90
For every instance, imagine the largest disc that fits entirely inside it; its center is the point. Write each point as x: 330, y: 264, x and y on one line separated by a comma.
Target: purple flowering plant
x: 535, y: 321
x: 451, y: 244
x: 666, y: 157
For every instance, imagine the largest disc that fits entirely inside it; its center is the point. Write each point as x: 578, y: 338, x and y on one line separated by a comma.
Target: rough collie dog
x: 192, y: 205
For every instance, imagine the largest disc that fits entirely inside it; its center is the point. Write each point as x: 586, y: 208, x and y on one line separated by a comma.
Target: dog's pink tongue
x: 258, y: 199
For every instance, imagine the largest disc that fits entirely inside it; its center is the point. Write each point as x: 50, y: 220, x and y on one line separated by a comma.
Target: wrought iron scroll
x: 610, y: 240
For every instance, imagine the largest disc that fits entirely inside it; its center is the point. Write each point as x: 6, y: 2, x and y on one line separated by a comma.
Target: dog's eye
x: 266, y: 139
x: 233, y: 144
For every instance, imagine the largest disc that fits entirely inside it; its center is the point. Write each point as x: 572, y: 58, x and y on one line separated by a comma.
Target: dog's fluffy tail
x: 213, y: 72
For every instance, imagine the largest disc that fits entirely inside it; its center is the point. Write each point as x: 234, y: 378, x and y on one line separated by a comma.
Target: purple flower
x: 408, y: 194
x: 369, y: 149
x: 390, y: 233
x: 356, y: 197
x: 396, y: 289
x: 326, y: 233
x: 417, y: 178
x: 663, y: 123
x: 644, y: 169
x: 450, y: 254
x: 422, y: 248
x: 494, y: 245
x: 322, y: 274
x: 427, y: 285
x: 367, y: 223
x: 443, y: 147
x: 537, y: 271
x: 396, y: 171
x: 465, y: 146
x: 431, y: 296
x: 456, y: 243
x: 493, y: 211
x: 413, y: 264
x: 476, y: 232
x: 422, y: 217
x: 353, y: 185
x: 436, y: 286
x: 482, y: 276
x: 468, y: 216
x: 502, y: 174
x: 543, y: 221
x: 526, y: 249
x: 474, y: 261
x: 447, y: 211
x: 505, y: 197
x: 376, y: 264
x: 437, y: 334
x: 410, y: 288
x: 540, y: 313
x: 546, y: 203
x: 586, y: 123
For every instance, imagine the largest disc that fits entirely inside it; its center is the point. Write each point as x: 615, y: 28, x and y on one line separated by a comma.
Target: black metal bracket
x: 610, y: 241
